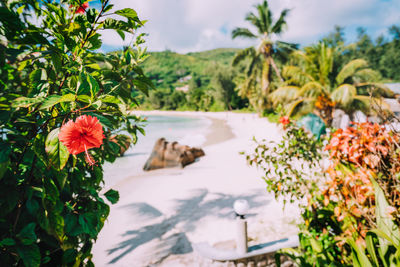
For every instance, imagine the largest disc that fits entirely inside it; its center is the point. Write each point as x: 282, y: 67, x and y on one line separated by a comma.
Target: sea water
x: 189, y: 131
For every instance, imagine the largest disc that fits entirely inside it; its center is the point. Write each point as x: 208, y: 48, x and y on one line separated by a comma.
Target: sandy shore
x: 160, y: 214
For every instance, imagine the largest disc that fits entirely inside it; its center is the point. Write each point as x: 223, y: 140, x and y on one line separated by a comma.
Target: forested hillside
x: 207, y: 81
x: 188, y: 81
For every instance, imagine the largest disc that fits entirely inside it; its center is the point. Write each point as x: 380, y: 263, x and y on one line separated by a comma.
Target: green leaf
x: 384, y: 222
x: 369, y: 240
x: 94, y: 66
x: 5, y: 151
x: 69, y: 256
x: 94, y: 86
x: 71, y: 225
x: 32, y: 206
x: 42, y: 220
x: 97, y: 104
x: 50, y: 189
x: 91, y: 15
x: 88, y: 221
x: 84, y: 98
x: 95, y: 42
x: 128, y: 13
x: 110, y: 23
x: 38, y: 75
x: 24, y: 102
x: 7, y: 242
x: 30, y: 255
x: 88, y: 84
x: 56, y: 223
x: 359, y: 256
x: 50, y: 101
x: 56, y: 99
x: 110, y: 99
x: 108, y: 8
x: 315, y: 245
x: 57, y: 61
x: 27, y: 235
x: 112, y: 196
x: 122, y: 34
x: 56, y: 151
x: 104, y: 121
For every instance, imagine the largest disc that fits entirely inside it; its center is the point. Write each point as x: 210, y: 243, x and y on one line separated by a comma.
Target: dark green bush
x: 50, y: 208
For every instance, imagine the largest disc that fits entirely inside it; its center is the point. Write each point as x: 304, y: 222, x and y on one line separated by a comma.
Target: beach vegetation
x: 318, y: 82
x: 63, y: 106
x: 347, y: 189
x: 258, y: 81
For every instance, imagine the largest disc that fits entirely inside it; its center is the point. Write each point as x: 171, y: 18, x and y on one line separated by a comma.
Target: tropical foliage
x: 380, y: 53
x: 289, y: 164
x: 316, y: 83
x: 257, y: 82
x: 192, y: 81
x: 350, y: 208
x: 170, y: 71
x: 62, y: 107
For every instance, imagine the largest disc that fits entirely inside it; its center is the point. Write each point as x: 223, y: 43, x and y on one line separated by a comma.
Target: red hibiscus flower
x: 81, y: 9
x: 83, y: 134
x: 284, y: 120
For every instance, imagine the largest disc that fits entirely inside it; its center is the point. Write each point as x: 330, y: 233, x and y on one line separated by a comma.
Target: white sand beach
x: 161, y: 213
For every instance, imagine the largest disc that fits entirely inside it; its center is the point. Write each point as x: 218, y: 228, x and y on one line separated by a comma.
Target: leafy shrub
x: 293, y: 171
x: 292, y: 165
x: 351, y: 212
x: 358, y: 153
x: 50, y: 75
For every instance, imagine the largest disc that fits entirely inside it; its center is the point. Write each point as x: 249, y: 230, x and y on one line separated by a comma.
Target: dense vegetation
x: 349, y: 204
x: 168, y: 70
x: 62, y: 107
x: 201, y: 76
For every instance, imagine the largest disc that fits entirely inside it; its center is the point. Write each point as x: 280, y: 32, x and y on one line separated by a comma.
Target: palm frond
x: 325, y: 62
x: 311, y: 89
x: 300, y: 107
x: 253, y: 19
x: 368, y: 105
x: 255, y: 63
x: 350, y: 69
x: 242, y: 54
x: 343, y: 95
x: 243, y: 32
x: 284, y: 94
x: 301, y: 57
x: 280, y: 24
x: 375, y: 90
x: 366, y: 75
x: 265, y: 17
x: 295, y: 75
x: 362, y: 103
x: 287, y: 46
x: 381, y: 90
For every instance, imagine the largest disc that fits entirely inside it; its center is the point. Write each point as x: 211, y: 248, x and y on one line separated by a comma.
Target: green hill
x: 192, y: 81
x: 168, y: 69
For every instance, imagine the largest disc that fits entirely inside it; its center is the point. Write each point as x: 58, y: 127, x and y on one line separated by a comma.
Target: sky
x: 196, y: 25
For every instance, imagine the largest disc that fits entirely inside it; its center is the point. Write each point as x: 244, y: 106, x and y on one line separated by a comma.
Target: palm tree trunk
x: 265, y: 79
x: 278, y: 73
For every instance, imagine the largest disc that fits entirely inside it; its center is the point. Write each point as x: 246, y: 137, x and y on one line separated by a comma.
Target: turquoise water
x: 185, y: 130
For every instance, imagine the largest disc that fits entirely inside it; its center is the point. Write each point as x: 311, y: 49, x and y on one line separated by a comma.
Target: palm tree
x: 316, y: 83
x: 261, y: 59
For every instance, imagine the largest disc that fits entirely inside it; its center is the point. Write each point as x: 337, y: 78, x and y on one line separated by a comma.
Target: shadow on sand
x: 171, y: 240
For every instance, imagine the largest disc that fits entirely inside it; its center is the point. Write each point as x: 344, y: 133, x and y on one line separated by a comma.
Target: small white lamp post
x: 241, y: 208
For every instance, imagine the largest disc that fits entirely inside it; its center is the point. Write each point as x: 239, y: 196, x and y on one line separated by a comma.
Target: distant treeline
x: 207, y: 81
x: 383, y: 53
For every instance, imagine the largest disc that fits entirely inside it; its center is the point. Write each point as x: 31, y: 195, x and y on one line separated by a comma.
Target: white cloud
x: 195, y: 25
